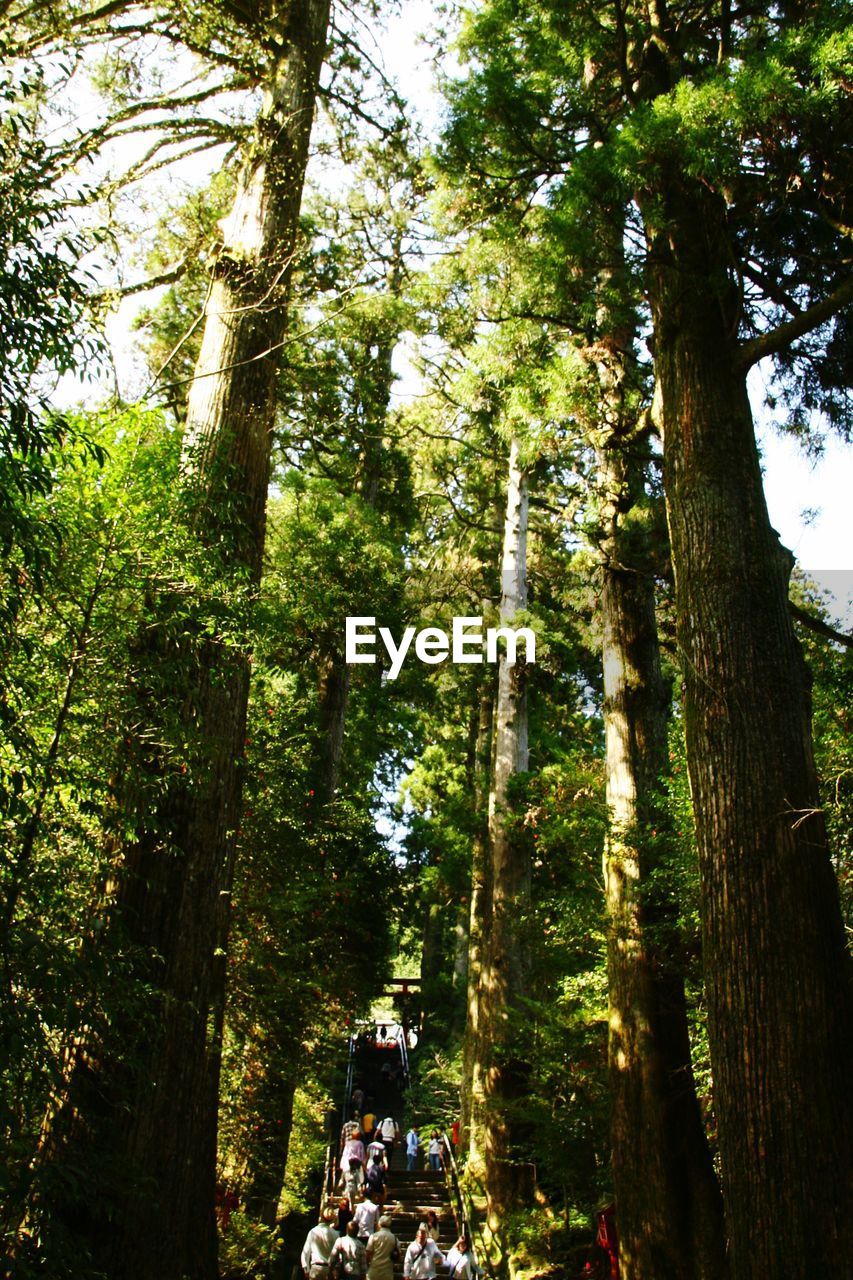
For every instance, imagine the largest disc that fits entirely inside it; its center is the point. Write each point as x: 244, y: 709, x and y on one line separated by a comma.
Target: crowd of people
x: 353, y: 1237
x: 366, y: 1249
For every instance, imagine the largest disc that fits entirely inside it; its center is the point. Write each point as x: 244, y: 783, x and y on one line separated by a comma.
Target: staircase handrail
x: 345, y: 1109
x: 330, y: 1169
x: 404, y: 1054
x: 463, y: 1219
x: 329, y: 1172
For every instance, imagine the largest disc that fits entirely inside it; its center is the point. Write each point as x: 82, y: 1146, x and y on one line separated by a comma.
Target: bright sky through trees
x: 808, y: 498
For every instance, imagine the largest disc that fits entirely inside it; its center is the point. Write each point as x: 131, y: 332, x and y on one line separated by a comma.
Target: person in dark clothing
x: 344, y: 1216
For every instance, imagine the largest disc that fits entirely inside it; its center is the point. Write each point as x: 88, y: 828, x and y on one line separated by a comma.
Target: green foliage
x: 248, y: 1249
x: 43, y: 333
x: 68, y: 709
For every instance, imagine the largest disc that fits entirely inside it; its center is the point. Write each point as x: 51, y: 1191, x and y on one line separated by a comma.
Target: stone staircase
x: 409, y: 1197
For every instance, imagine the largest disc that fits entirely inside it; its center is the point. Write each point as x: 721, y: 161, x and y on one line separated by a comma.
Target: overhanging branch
x: 776, y: 340
x: 818, y: 626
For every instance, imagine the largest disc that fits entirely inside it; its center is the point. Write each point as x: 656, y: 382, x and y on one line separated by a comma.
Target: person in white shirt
x: 376, y: 1151
x: 318, y: 1245
x: 366, y: 1217
x: 423, y: 1256
x: 434, y: 1151
x: 459, y: 1261
x: 353, y: 1183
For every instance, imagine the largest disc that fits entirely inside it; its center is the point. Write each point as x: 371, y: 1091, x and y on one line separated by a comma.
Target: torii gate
x: 402, y: 986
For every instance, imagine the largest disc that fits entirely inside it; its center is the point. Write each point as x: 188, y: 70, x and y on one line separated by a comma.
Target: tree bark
x: 459, y: 977
x: 479, y: 921
x: 669, y: 1209
x: 668, y: 1204
x: 270, y: 1146
x: 778, y: 976
x: 505, y: 980
x: 144, y: 1100
x: 334, y: 699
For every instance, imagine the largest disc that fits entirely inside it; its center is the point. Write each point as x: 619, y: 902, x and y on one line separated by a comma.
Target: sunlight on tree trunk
x: 501, y: 1026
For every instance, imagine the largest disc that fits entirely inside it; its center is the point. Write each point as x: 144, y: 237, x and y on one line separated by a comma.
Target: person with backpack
x: 423, y: 1257
x: 348, y: 1257
x: 376, y: 1151
x: 376, y: 1177
x: 389, y: 1134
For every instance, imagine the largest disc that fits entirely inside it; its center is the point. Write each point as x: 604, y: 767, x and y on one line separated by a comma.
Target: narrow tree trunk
x: 472, y: 1092
x: 145, y: 1100
x: 459, y: 979
x: 334, y: 699
x: 268, y: 1152
x: 262, y: 1144
x: 778, y: 977
x: 501, y: 1033
x: 432, y: 961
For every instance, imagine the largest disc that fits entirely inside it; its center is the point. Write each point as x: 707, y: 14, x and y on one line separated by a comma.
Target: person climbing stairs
x: 410, y: 1196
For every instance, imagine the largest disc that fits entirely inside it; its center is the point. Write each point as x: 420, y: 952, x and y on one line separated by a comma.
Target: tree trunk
x: 501, y: 1033
x: 479, y: 921
x: 668, y: 1203
x: 432, y: 961
x: 145, y: 1100
x: 261, y: 1146
x: 669, y: 1209
x: 268, y: 1152
x: 334, y: 698
x: 778, y: 977
x: 459, y: 981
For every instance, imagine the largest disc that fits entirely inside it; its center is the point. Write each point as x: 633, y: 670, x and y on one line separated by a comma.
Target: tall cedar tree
x: 157, y: 1116
x: 505, y: 979
x: 668, y: 1201
x: 719, y: 128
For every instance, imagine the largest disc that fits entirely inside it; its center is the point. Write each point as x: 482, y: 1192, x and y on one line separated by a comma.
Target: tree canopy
x: 492, y: 367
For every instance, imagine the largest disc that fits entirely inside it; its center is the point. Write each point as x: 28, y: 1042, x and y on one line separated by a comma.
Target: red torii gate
x: 402, y: 986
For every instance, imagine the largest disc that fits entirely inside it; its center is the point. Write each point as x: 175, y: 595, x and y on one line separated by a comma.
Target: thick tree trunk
x: 479, y: 923
x: 145, y: 1102
x: 501, y: 1032
x: 778, y: 977
x: 669, y: 1209
x: 668, y: 1204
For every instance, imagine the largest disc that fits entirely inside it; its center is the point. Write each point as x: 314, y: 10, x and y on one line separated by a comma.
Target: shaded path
x: 409, y: 1195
